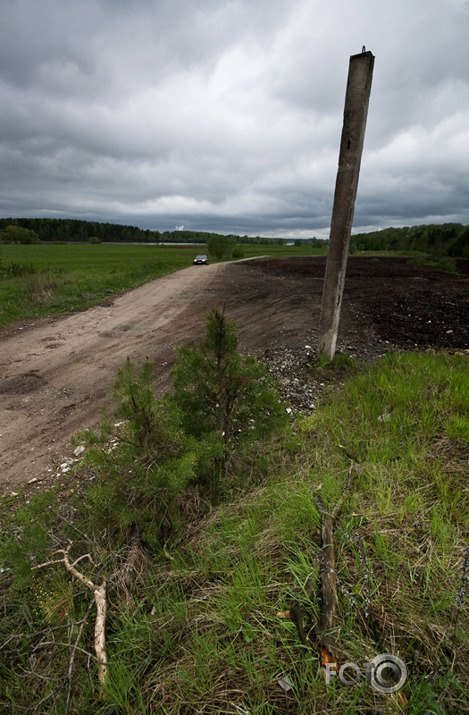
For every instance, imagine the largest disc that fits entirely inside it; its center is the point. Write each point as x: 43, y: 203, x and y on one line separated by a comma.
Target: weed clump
x: 445, y: 264
x: 13, y: 269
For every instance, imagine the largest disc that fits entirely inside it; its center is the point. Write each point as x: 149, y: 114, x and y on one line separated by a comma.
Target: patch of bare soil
x: 57, y: 374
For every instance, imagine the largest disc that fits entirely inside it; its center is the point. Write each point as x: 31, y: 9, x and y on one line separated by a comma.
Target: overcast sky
x: 226, y: 115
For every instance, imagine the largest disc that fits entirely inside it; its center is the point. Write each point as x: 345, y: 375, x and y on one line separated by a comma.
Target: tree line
x: 33, y: 230
x: 447, y: 239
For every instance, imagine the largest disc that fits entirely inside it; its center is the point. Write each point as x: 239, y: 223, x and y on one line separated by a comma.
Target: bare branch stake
x: 329, y: 615
x: 99, y: 593
x: 326, y: 642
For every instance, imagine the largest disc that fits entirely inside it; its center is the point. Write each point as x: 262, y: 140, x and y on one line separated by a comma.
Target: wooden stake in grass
x: 328, y: 623
x: 329, y: 616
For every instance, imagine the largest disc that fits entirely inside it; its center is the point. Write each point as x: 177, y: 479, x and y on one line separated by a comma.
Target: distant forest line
x: 447, y: 239
x: 75, y: 230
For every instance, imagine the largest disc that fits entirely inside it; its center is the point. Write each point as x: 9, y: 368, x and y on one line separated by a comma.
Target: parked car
x: 201, y: 260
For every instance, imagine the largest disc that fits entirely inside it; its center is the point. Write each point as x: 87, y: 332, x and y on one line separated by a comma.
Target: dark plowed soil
x: 410, y: 306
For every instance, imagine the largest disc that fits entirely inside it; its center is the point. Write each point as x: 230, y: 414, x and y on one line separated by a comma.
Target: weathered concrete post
x: 351, y: 147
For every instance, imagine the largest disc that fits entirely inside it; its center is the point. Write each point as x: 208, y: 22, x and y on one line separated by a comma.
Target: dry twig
x: 99, y: 593
x: 72, y: 656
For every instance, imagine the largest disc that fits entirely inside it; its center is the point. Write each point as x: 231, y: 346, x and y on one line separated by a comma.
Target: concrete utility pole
x: 351, y: 147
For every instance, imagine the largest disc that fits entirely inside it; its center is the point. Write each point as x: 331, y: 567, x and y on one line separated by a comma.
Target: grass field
x: 41, y: 279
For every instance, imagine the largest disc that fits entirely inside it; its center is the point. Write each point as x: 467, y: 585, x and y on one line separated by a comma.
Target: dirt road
x: 57, y: 374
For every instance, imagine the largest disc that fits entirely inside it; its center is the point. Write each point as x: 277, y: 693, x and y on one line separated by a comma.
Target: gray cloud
x: 226, y: 114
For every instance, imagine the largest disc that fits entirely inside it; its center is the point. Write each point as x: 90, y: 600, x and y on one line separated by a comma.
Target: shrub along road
x: 56, y: 374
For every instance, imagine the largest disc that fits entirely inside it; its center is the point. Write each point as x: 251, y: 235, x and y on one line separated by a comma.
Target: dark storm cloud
x: 226, y: 115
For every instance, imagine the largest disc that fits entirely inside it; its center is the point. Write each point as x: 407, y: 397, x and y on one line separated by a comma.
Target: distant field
x: 53, y: 278
x: 278, y: 251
